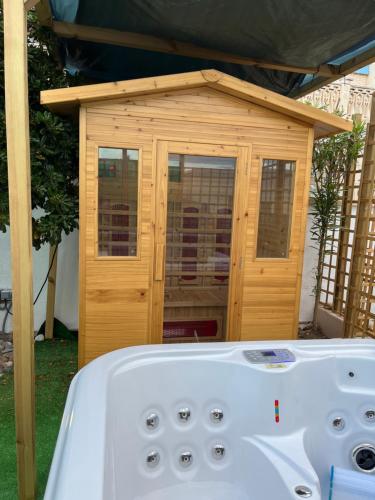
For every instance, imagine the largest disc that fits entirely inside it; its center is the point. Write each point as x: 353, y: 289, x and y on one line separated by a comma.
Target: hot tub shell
x: 278, y: 428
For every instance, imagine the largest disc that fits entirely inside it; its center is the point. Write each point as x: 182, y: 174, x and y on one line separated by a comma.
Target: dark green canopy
x: 302, y: 33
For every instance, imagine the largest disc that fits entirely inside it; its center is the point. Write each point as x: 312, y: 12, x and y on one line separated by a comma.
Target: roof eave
x: 65, y: 100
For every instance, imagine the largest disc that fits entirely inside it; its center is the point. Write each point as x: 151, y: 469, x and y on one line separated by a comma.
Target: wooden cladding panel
x: 115, y: 291
x: 195, y: 105
x: 271, y: 286
x: 121, y: 291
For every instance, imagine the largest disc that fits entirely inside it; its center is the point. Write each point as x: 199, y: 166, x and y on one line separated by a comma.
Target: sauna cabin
x: 193, y: 201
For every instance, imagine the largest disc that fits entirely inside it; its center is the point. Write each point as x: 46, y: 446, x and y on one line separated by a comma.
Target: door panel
x: 200, y: 216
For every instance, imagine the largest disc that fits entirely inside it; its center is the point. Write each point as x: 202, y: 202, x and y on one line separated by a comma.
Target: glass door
x: 198, y: 200
x: 198, y: 243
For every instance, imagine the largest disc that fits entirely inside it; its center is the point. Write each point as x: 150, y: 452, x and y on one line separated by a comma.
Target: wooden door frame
x: 242, y: 153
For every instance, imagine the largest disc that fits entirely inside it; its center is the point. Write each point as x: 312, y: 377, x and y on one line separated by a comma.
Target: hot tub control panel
x: 272, y: 356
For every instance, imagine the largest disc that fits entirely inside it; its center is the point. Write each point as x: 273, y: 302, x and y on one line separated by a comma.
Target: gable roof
x: 67, y: 100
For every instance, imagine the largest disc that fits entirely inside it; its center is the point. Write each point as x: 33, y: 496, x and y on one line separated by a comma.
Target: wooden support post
x: 18, y: 150
x: 50, y: 312
x: 361, y: 233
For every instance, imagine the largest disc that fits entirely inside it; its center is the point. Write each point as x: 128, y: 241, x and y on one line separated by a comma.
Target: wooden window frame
x: 118, y: 145
x: 282, y: 157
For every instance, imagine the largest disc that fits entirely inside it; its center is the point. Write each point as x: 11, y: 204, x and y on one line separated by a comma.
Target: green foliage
x: 332, y: 160
x: 55, y: 365
x: 53, y: 142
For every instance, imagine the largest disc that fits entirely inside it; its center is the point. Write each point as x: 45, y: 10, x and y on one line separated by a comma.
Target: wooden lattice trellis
x: 360, y: 308
x: 348, y: 284
x: 339, y: 247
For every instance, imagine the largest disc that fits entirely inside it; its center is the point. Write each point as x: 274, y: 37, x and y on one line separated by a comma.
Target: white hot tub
x: 228, y: 421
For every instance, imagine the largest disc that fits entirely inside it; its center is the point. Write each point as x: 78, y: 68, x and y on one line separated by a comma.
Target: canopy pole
x: 51, y: 292
x: 18, y: 151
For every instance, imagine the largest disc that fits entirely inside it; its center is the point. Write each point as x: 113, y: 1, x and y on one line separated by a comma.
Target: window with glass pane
x: 275, y: 210
x: 117, y: 202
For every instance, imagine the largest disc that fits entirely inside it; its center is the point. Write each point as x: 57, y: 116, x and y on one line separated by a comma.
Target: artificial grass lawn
x: 56, y: 364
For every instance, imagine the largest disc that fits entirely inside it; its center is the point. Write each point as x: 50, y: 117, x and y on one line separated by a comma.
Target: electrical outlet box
x: 6, y: 294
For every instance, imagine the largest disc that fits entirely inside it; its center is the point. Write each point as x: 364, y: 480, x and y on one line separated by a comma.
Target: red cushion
x: 177, y: 329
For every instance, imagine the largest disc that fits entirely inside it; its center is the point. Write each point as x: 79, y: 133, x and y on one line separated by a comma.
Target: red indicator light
x: 277, y: 411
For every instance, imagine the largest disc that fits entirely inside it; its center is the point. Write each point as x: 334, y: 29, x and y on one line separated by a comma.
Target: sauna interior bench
x: 202, y: 297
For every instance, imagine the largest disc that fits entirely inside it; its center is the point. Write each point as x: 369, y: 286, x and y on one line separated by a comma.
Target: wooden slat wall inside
x: 360, y: 310
x: 121, y: 291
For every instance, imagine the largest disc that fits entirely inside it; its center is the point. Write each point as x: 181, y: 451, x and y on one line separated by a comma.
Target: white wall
x: 310, y: 262
x: 66, y: 309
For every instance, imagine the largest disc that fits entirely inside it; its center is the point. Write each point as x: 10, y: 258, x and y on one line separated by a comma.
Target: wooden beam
x: 157, y: 44
x: 17, y: 128
x: 29, y: 4
x: 357, y: 62
x: 51, y: 292
x: 44, y: 13
x: 348, y: 67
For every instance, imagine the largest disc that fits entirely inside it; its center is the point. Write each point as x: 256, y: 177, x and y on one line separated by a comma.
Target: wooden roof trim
x: 127, y: 88
x: 274, y: 101
x: 58, y: 99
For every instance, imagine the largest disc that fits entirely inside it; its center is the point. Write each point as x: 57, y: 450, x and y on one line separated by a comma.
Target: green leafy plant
x: 332, y: 160
x: 53, y: 142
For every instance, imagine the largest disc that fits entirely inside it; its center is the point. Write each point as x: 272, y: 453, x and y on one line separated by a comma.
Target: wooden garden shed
x: 193, y: 202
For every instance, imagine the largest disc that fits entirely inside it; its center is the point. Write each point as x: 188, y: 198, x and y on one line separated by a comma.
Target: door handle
x: 159, y: 262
